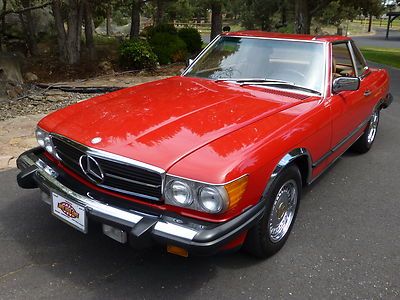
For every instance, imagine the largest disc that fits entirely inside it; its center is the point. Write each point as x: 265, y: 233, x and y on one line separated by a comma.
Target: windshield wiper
x: 267, y: 81
x: 289, y: 85
x: 252, y: 80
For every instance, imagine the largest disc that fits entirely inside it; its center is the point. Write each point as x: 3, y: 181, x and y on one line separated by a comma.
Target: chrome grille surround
x: 121, y: 174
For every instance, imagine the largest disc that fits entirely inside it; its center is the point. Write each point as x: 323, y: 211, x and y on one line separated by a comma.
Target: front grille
x: 118, y: 176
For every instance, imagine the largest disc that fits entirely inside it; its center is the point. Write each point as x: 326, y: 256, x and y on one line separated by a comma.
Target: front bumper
x: 142, y: 224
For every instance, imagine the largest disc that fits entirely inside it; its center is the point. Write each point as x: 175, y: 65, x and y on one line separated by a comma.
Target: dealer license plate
x: 69, y: 212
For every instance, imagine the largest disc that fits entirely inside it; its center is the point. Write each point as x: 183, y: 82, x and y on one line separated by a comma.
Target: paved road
x: 379, y: 39
x: 345, y: 244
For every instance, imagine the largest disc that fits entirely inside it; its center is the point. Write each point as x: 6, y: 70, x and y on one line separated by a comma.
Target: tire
x: 364, y: 143
x: 265, y: 238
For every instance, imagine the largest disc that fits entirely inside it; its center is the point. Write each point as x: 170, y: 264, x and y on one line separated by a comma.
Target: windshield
x: 238, y: 58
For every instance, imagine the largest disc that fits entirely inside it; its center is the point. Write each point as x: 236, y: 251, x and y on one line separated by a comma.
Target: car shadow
x: 96, y: 262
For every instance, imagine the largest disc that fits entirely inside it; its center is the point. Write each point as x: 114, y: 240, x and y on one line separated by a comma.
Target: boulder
x: 10, y: 68
x: 106, y: 66
x: 30, y: 77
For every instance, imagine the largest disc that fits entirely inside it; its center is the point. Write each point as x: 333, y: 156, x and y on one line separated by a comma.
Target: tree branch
x: 323, y: 4
x: 25, y: 9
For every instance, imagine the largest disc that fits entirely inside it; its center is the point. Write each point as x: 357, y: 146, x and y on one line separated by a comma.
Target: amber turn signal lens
x: 236, y: 190
x: 177, y: 250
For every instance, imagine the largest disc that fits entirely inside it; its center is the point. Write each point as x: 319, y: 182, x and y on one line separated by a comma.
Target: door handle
x: 367, y: 93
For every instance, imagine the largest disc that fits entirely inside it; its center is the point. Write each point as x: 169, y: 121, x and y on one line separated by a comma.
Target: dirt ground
x: 16, y: 136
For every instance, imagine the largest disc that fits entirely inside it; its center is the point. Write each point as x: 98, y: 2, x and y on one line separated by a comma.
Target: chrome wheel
x: 283, y: 211
x: 373, y: 126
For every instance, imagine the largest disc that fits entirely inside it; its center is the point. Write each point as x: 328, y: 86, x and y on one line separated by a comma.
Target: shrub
x: 161, y: 28
x: 168, y: 47
x: 192, y: 38
x: 137, y: 54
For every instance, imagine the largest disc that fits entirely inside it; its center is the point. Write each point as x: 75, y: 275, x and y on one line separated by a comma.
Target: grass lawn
x: 390, y: 57
x: 378, y: 23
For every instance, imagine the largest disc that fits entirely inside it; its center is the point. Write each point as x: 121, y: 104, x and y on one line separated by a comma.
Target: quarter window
x: 359, y: 59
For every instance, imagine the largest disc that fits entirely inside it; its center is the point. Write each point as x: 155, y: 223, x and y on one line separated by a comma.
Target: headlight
x: 40, y: 136
x: 44, y: 140
x: 204, y: 197
x: 179, y: 192
x: 213, y: 199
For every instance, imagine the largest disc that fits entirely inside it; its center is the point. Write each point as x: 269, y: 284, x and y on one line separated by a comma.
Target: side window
x: 359, y: 58
x: 342, y: 64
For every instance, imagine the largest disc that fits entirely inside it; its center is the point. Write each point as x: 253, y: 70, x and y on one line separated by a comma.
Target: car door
x: 349, y: 108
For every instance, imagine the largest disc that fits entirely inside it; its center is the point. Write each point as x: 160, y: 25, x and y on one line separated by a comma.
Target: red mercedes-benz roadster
x: 216, y: 158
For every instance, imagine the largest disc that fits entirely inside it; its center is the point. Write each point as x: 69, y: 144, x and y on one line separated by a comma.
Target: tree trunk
x: 283, y: 14
x: 302, y: 17
x: 3, y: 26
x: 69, y: 42
x: 29, y: 27
x: 135, y: 18
x: 216, y: 19
x: 266, y: 24
x: 108, y: 20
x: 61, y: 34
x: 370, y: 23
x: 72, y: 38
x: 159, y: 12
x: 74, y: 23
x: 88, y: 18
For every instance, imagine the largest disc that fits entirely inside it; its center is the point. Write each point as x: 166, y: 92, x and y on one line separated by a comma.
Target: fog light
x: 115, y: 233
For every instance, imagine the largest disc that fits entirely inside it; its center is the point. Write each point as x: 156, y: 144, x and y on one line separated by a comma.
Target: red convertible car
x: 214, y: 159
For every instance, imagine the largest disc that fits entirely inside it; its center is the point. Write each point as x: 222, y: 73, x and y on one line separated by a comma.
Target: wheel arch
x: 384, y: 102
x: 298, y: 156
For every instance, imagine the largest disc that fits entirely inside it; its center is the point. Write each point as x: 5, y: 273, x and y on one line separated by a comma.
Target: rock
x: 56, y: 98
x: 36, y: 98
x: 14, y: 91
x: 5, y: 160
x: 29, y: 76
x: 11, y: 69
x: 12, y: 163
x: 106, y: 66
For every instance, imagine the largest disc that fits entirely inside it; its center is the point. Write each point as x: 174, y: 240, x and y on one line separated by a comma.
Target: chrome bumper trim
x: 126, y: 217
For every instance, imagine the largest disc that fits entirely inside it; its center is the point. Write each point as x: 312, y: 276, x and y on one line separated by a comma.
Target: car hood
x: 163, y: 121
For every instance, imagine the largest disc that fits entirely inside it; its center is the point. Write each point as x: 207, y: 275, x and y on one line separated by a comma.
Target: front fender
x: 288, y: 159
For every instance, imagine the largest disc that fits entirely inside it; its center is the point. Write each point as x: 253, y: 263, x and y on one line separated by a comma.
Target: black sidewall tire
x: 257, y: 241
x: 362, y: 145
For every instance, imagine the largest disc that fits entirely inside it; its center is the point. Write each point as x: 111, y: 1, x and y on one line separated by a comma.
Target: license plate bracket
x: 69, y: 212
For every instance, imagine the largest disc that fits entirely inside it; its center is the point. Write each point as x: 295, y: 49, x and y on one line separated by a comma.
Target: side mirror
x: 189, y: 62
x: 346, y: 84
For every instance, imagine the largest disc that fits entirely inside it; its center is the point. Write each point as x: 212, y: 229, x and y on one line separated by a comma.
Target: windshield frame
x: 217, y: 38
